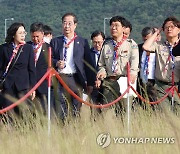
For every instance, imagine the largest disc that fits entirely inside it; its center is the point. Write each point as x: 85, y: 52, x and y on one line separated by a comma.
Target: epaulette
x: 129, y: 40
x: 133, y: 43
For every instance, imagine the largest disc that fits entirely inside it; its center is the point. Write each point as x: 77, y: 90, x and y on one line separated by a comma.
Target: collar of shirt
x: 96, y: 51
x: 13, y: 44
x: 67, y: 40
x: 175, y: 43
x: 34, y: 46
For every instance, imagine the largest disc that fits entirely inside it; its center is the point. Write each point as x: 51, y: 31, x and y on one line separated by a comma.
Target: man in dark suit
x: 41, y: 63
x: 70, y: 53
x: 97, y: 38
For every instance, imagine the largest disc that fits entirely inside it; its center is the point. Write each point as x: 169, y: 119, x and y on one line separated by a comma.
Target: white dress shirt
x: 37, y: 53
x: 70, y: 65
x: 151, y: 64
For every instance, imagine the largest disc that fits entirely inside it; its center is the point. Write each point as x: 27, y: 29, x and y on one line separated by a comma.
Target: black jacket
x: 41, y: 68
x: 23, y: 74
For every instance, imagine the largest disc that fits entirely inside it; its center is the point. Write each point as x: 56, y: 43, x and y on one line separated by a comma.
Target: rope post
x: 128, y: 102
x: 49, y: 90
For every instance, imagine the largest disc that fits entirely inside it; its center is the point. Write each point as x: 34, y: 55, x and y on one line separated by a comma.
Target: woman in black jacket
x: 17, y: 65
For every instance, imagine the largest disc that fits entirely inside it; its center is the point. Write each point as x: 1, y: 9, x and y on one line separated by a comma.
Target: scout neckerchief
x: 170, y: 57
x: 36, y: 48
x: 15, y: 50
x: 145, y: 69
x: 66, y: 46
x: 115, y: 56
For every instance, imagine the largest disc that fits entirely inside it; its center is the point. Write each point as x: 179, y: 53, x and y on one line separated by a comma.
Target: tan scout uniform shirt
x: 162, y: 54
x: 127, y: 52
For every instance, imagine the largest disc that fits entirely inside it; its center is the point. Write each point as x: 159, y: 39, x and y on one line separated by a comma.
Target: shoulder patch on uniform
x: 129, y: 40
x: 134, y: 46
x: 133, y: 43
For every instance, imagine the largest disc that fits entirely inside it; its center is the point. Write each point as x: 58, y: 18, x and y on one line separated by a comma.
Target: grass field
x: 78, y: 136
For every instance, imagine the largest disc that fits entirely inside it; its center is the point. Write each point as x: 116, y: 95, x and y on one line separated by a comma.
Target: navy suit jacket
x: 23, y: 73
x: 81, y: 51
x: 41, y: 68
x: 95, y: 67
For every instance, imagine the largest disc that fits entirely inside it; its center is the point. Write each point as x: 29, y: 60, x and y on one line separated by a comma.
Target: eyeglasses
x: 171, y: 27
x: 22, y: 33
x: 115, y: 25
x: 69, y: 24
x: 97, y: 42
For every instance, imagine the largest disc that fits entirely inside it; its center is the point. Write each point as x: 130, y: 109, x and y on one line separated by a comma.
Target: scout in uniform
x: 115, y: 54
x: 167, y: 60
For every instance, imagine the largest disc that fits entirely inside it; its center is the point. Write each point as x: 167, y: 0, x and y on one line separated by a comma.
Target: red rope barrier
x: 28, y: 94
x: 159, y: 101
x: 51, y: 71
x: 81, y: 100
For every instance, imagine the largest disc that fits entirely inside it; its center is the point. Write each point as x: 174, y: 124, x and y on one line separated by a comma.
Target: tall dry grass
x: 30, y: 135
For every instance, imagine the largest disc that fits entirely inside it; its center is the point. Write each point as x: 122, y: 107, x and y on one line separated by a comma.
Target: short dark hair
x: 96, y: 33
x: 11, y: 32
x: 47, y: 30
x: 127, y: 24
x: 122, y: 20
x: 173, y: 19
x: 36, y: 26
x: 147, y: 30
x: 70, y: 14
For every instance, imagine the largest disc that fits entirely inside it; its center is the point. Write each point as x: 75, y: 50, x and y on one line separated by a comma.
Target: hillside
x: 90, y: 13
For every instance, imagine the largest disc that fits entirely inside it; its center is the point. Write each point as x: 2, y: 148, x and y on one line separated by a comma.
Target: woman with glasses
x: 17, y: 66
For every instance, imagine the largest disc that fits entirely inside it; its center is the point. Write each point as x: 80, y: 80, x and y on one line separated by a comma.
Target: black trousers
x: 67, y: 104
x: 111, y: 91
x: 8, y: 97
x: 96, y: 98
x: 148, y: 91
